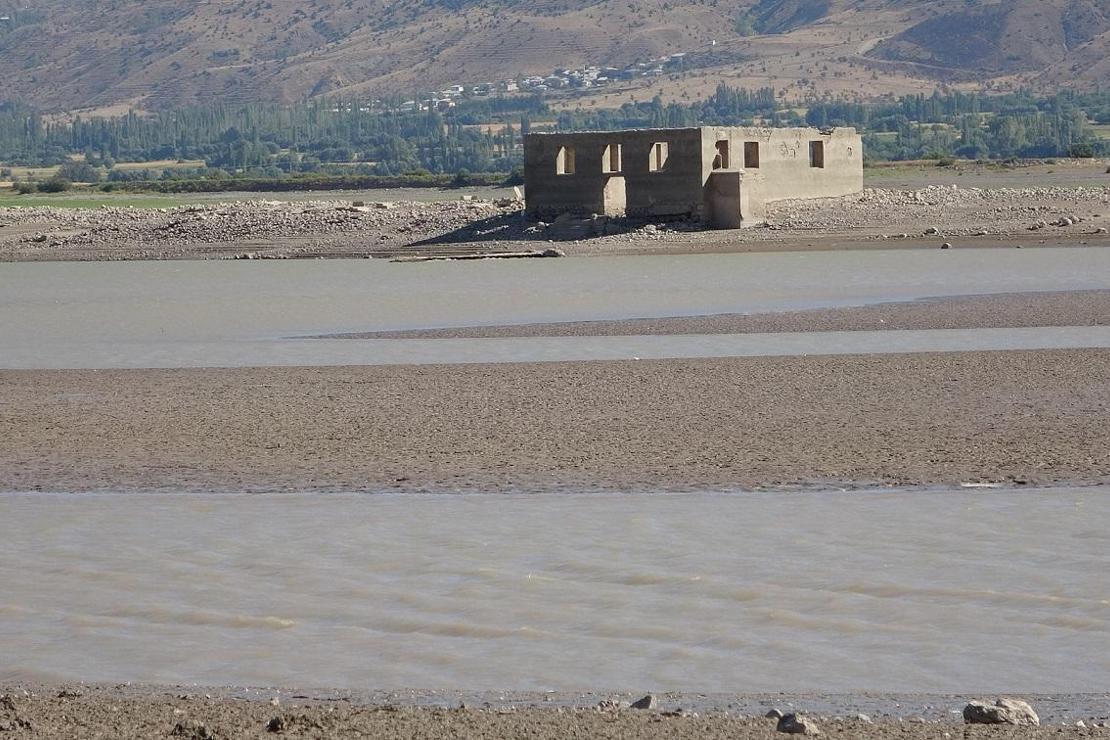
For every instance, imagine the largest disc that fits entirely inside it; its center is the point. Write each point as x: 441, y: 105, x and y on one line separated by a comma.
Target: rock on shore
x: 1002, y: 711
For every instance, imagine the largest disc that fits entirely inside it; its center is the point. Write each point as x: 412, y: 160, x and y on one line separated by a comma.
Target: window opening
x: 564, y: 161
x: 817, y: 154
x: 611, y: 159
x: 720, y: 162
x: 751, y: 155
x: 660, y: 154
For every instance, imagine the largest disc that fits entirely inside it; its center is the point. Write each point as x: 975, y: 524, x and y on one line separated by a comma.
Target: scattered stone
x: 932, y: 231
x: 1002, y: 712
x: 680, y: 712
x: 773, y: 714
x: 647, y: 702
x: 946, y: 245
x: 796, y: 724
x: 864, y: 719
x: 12, y: 725
x: 68, y: 694
x: 1100, y: 230
x: 276, y: 724
x: 192, y: 729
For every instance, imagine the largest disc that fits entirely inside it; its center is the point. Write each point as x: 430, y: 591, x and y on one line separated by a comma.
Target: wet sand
x: 1074, y: 308
x: 1029, y: 417
x: 124, y: 712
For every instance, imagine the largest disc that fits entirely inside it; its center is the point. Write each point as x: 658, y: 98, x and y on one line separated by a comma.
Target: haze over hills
x: 72, y: 54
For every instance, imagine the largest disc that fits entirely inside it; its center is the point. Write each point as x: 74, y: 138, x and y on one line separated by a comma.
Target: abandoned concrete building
x: 723, y: 177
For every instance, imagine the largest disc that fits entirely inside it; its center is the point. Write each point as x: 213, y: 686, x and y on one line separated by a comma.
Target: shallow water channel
x: 739, y: 592
x: 946, y: 591
x: 171, y: 314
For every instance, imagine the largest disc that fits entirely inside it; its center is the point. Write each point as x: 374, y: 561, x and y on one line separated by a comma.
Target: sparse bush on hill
x: 55, y: 184
x: 1082, y: 150
x: 79, y: 172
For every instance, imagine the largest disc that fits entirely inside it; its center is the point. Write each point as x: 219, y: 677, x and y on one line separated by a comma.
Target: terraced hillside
x: 71, y: 54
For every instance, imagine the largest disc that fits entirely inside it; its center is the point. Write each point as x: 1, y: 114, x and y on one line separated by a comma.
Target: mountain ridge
x: 72, y: 54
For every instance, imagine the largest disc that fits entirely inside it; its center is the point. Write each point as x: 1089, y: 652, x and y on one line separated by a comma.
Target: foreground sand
x: 893, y: 420
x: 69, y: 712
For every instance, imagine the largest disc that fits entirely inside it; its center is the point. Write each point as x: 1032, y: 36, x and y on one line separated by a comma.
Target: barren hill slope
x: 67, y: 54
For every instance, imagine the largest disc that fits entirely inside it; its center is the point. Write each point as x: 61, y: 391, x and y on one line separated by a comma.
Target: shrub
x: 54, y: 185
x: 79, y: 172
x: 461, y: 179
x: 946, y: 162
x: 24, y: 188
x: 1082, y: 150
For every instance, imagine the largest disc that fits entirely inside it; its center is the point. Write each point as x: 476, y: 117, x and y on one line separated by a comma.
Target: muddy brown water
x: 740, y: 592
x: 746, y: 592
x: 167, y: 314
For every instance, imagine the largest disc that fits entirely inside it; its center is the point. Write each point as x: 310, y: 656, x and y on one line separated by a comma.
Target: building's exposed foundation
x: 722, y: 177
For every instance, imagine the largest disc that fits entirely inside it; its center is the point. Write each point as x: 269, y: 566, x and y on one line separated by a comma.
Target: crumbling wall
x: 666, y: 172
x: 793, y: 163
x: 660, y: 170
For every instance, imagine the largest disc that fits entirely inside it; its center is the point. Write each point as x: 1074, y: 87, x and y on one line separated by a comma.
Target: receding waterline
x: 947, y: 591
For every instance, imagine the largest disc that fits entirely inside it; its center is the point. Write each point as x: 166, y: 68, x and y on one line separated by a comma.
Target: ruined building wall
x: 699, y: 172
x: 654, y: 173
x: 793, y: 163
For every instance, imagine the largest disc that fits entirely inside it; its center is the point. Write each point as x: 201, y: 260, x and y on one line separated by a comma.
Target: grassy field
x: 93, y: 200
x: 89, y: 198
x: 161, y: 164
x: 45, y: 173
x: 33, y: 173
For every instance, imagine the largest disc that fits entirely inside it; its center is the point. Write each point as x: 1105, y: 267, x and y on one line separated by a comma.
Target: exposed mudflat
x: 138, y: 712
x: 1029, y: 417
x: 1073, y: 308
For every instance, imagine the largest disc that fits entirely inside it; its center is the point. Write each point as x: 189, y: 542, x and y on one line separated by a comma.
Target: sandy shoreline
x: 1036, y: 418
x: 1073, y: 308
x: 132, y: 712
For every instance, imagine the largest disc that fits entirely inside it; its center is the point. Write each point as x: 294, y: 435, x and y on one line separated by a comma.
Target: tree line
x: 349, y: 138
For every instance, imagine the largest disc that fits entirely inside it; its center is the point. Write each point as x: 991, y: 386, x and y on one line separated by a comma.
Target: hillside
x: 70, y: 54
